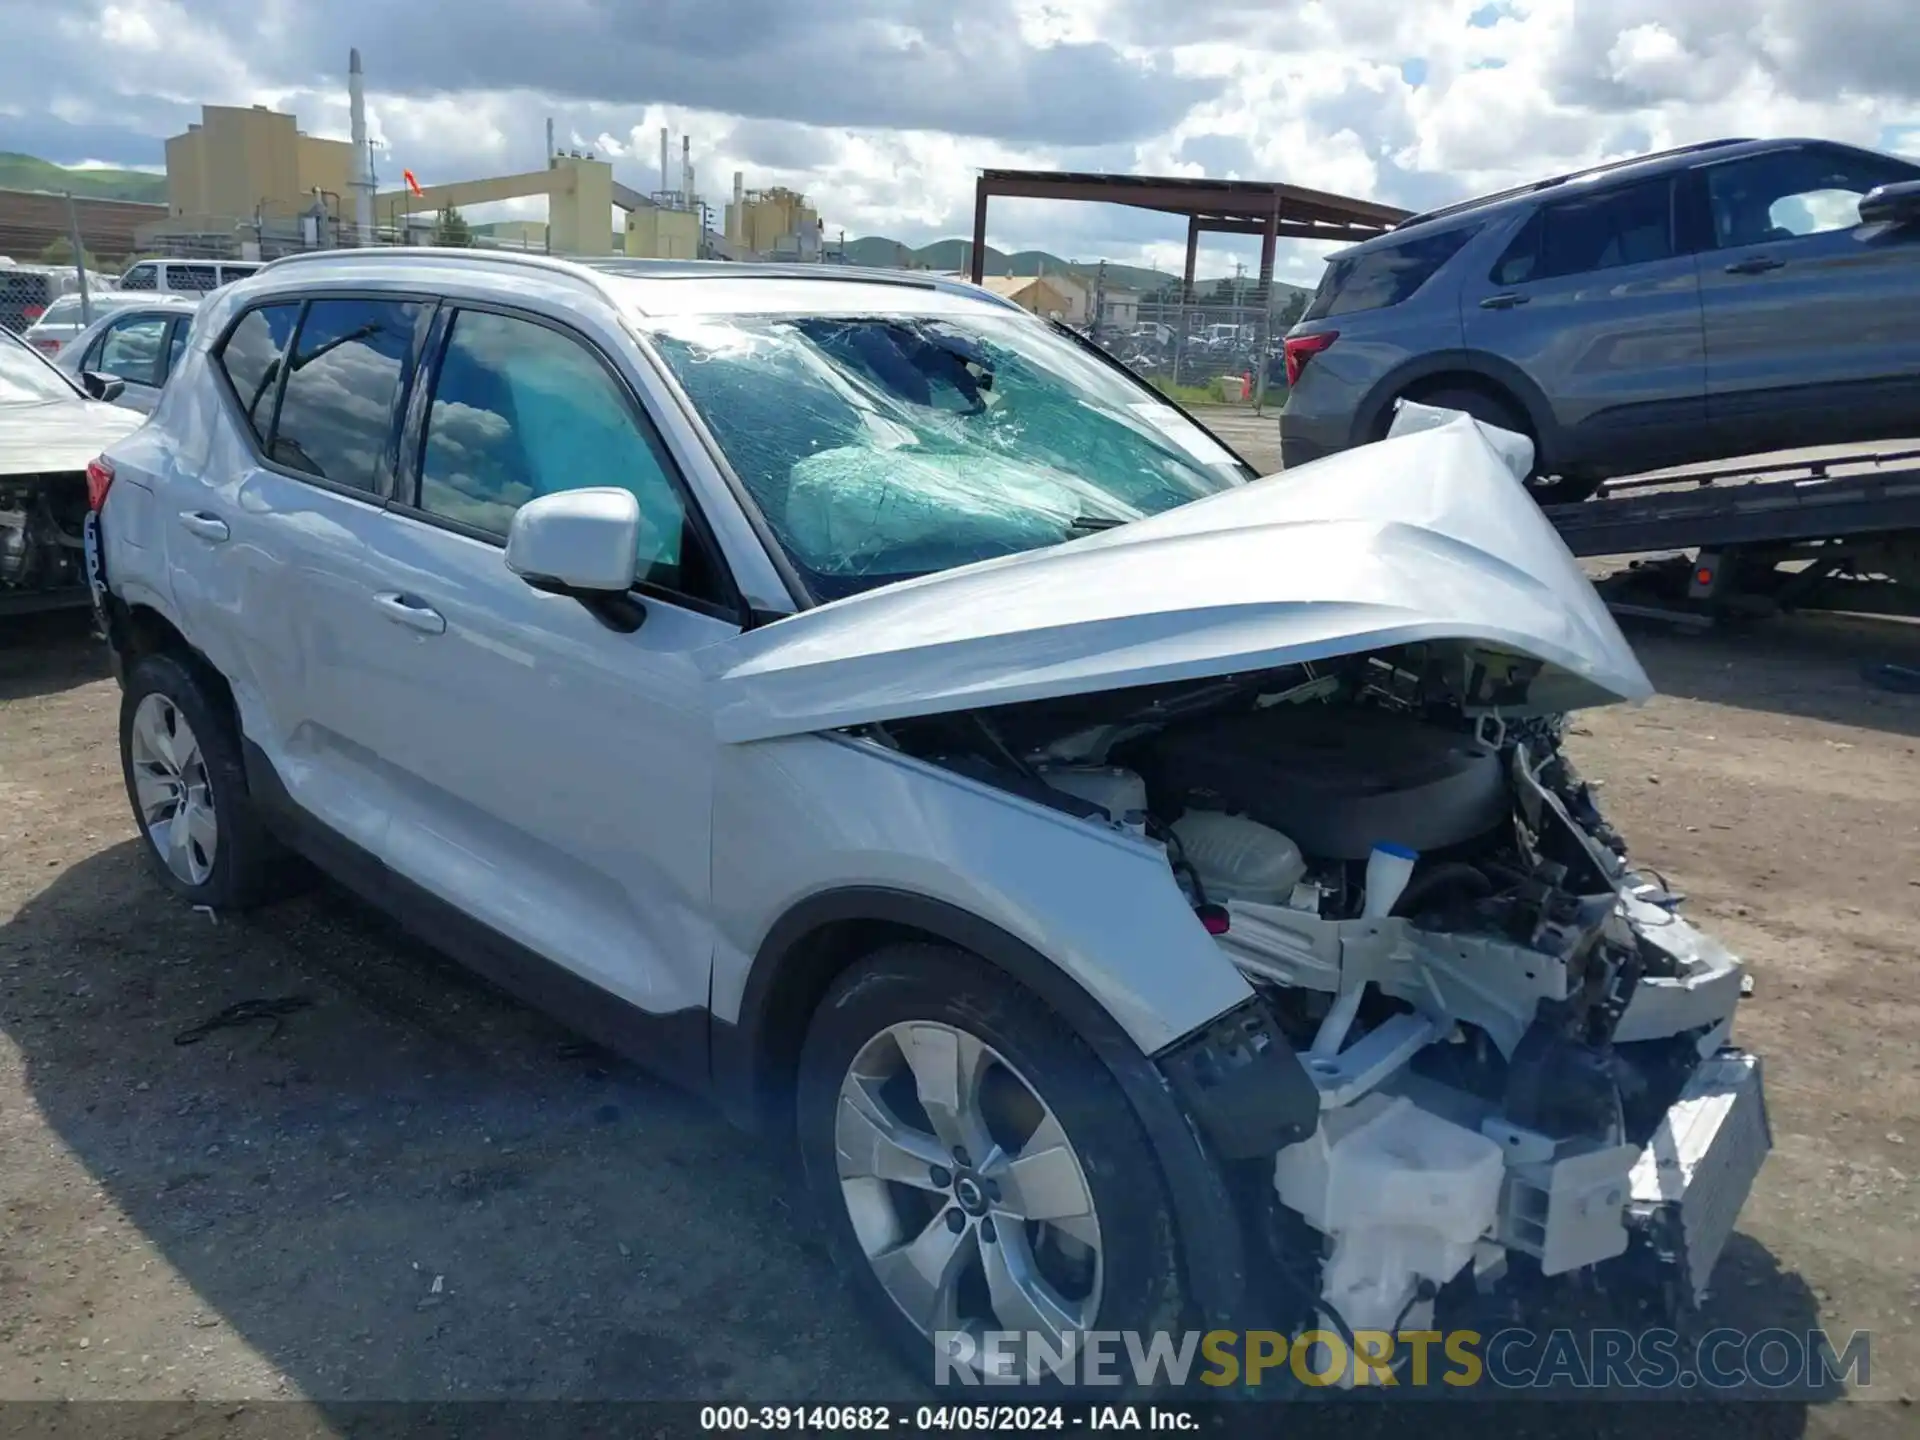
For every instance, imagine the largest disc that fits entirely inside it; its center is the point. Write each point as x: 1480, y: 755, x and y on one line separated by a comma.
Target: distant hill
x: 952, y: 255
x: 24, y: 172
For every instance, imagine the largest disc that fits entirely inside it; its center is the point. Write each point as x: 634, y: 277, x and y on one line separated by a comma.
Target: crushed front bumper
x: 1673, y: 1201
x: 1688, y: 1186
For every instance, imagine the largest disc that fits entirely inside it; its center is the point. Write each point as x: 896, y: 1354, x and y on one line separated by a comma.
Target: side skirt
x: 675, y: 1046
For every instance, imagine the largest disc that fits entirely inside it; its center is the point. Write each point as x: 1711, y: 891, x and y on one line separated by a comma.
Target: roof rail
x: 528, y: 258
x: 1604, y: 167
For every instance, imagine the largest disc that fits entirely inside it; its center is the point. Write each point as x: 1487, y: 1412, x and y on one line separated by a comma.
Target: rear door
x: 1812, y: 319
x: 283, y: 562
x: 1595, y: 300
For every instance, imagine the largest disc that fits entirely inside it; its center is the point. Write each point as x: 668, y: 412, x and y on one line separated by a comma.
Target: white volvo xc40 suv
x: 1137, y: 884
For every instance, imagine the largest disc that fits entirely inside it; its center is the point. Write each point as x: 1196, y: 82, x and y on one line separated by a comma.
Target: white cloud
x: 883, y: 111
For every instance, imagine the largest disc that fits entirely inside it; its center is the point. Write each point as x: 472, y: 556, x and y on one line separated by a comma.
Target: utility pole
x: 1099, y: 300
x: 79, y: 259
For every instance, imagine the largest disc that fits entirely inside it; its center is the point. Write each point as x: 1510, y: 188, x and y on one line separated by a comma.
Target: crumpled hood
x: 60, y: 435
x: 1425, y: 536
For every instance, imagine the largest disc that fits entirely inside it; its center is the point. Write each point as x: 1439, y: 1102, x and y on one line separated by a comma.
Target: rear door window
x: 337, y: 418
x: 1375, y: 279
x: 193, y: 279
x: 1630, y: 225
x: 252, y: 357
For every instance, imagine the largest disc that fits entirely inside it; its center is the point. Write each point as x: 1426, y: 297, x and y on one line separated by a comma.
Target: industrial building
x: 777, y: 223
x: 246, y: 181
x: 1055, y: 296
x: 250, y: 161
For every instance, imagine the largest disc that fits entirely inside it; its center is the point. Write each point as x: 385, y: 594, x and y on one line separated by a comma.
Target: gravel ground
x: 413, y: 1188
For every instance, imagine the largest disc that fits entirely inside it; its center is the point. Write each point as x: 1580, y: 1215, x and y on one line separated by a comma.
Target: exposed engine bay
x: 1519, y: 1047
x: 41, y: 545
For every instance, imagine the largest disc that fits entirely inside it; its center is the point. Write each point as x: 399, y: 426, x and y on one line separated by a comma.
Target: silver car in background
x: 137, y: 340
x: 63, y: 320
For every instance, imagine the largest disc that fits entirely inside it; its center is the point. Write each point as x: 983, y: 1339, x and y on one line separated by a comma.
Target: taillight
x: 1302, y: 348
x: 99, y: 479
x: 1214, y: 918
x: 47, y: 347
x: 33, y: 312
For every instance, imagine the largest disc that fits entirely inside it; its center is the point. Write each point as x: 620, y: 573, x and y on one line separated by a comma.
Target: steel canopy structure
x: 1268, y: 209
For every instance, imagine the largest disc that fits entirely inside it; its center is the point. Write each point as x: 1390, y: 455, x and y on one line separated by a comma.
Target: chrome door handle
x: 207, y: 527
x: 405, y: 610
x: 1503, y: 302
x: 1758, y: 265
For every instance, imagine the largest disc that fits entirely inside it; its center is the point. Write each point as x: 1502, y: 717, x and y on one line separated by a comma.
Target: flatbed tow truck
x: 1837, y: 532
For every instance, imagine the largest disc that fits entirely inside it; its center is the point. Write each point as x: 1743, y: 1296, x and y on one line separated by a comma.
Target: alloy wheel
x: 172, y: 791
x: 965, y: 1192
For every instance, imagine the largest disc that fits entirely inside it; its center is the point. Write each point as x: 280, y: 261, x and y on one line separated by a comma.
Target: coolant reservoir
x: 1239, y: 859
x: 1117, y: 791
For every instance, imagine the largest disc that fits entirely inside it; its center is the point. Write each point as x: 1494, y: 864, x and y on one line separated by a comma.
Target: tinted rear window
x: 1632, y: 225
x: 1374, y: 279
x: 338, y: 412
x: 251, y: 357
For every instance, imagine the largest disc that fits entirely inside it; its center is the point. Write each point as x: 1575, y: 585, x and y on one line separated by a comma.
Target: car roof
x: 644, y: 285
x: 1612, y: 172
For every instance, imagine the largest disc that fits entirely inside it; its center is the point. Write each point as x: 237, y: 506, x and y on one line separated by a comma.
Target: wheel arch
x: 137, y: 629
x: 756, y: 1059
x: 1468, y: 369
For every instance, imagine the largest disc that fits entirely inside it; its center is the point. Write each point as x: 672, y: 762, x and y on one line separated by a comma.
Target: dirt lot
x: 415, y: 1188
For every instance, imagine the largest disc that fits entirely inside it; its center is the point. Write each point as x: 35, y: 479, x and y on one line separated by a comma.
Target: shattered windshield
x: 883, y: 447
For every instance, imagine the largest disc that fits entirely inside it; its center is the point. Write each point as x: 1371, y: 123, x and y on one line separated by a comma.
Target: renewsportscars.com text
x: 1722, y: 1360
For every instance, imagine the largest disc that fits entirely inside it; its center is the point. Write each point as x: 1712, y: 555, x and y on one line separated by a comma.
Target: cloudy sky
x: 882, y: 110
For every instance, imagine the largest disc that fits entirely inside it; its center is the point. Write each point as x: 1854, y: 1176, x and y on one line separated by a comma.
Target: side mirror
x: 102, y: 387
x: 581, y: 543
x: 1896, y: 204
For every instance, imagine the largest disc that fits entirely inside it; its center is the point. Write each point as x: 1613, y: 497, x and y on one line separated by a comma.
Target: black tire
x: 248, y: 865
x: 1491, y: 410
x: 1142, y: 1288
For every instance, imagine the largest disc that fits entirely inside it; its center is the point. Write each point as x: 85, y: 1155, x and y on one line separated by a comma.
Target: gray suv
x: 1723, y: 299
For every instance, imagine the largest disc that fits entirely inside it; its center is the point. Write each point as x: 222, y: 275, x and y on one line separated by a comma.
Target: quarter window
x: 336, y: 420
x: 521, y: 410
x: 252, y: 357
x: 1631, y: 225
x: 133, y: 350
x: 1375, y: 279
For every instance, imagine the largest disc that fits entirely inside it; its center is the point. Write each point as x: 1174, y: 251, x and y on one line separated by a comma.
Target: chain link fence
x: 1221, y: 347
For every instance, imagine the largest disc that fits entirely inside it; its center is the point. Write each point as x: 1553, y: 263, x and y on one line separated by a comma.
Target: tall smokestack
x: 686, y: 166
x: 549, y: 142
x: 665, y: 183
x: 362, y: 181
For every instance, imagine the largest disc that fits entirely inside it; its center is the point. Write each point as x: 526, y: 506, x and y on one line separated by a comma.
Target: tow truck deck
x: 1839, y: 532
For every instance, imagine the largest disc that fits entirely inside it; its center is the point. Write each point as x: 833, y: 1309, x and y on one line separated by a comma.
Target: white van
x: 185, y: 277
